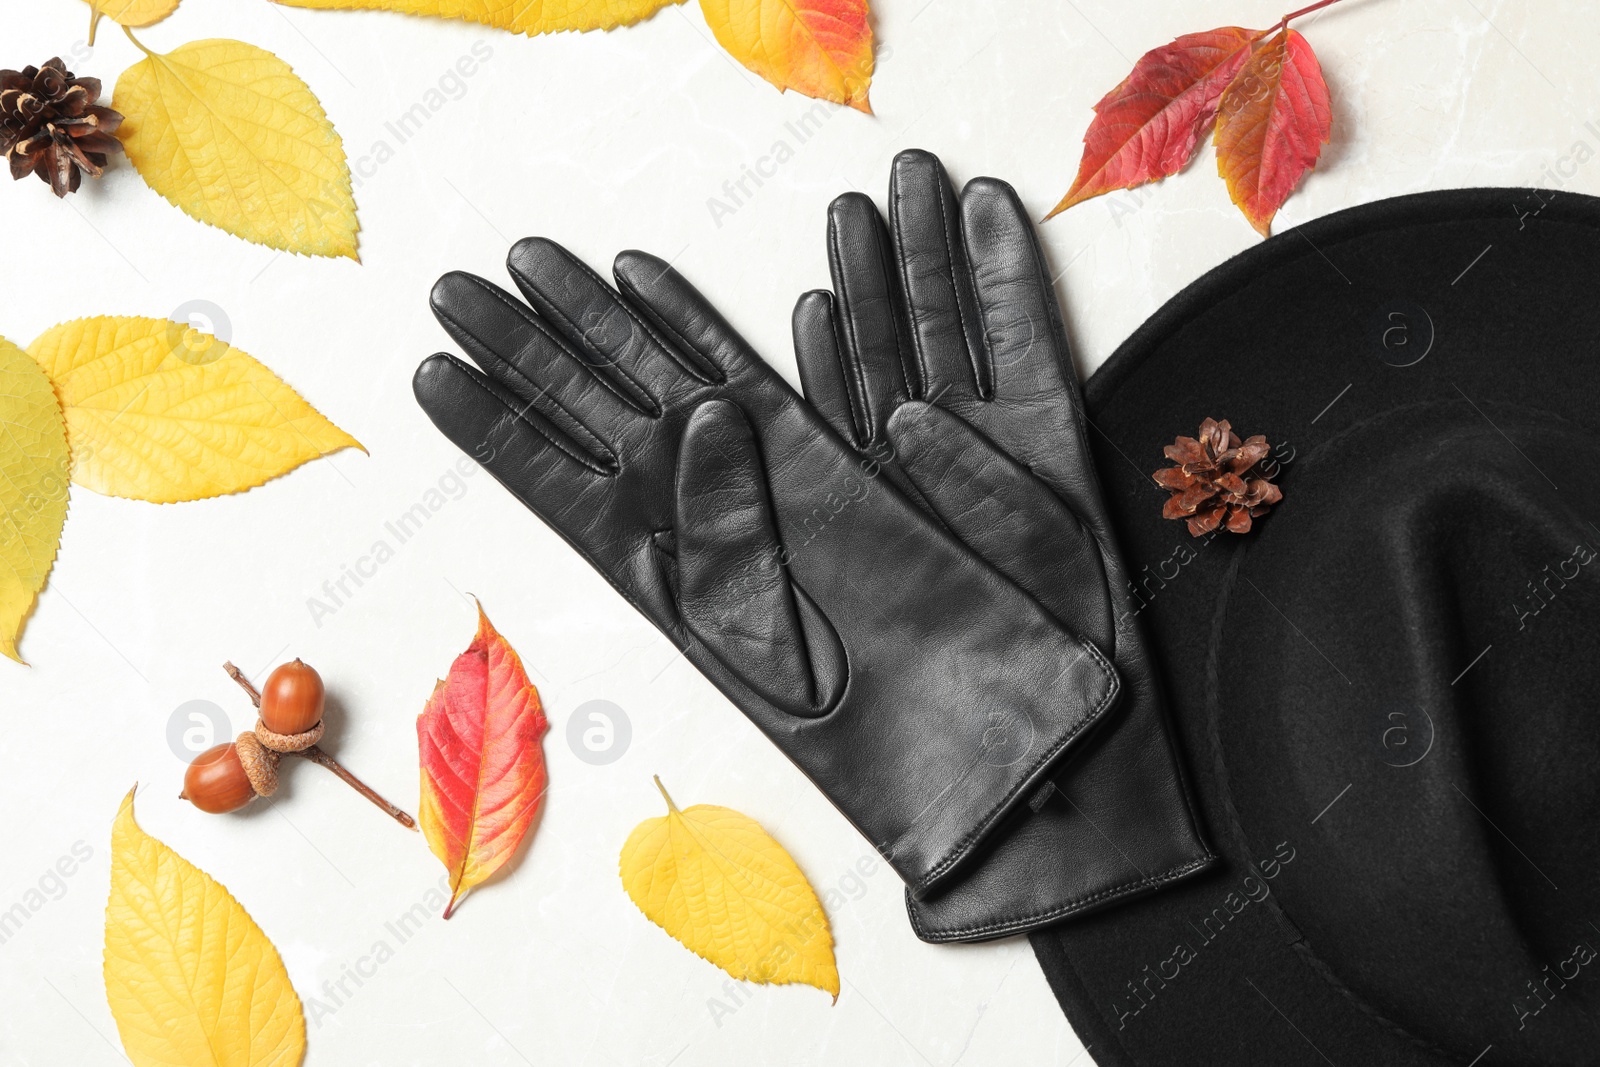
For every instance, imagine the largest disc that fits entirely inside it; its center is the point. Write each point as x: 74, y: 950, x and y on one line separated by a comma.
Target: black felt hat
x: 1388, y: 692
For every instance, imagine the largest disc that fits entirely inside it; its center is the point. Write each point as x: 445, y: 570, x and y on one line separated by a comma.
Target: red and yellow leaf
x: 483, y: 770
x: 1147, y: 127
x: 820, y: 48
x: 1272, y: 122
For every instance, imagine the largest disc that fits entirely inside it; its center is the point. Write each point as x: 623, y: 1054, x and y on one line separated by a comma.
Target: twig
x: 322, y: 759
x: 244, y: 683
x: 318, y: 756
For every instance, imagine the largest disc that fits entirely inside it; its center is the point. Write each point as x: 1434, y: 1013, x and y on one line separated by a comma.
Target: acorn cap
x: 260, y: 764
x: 288, y: 742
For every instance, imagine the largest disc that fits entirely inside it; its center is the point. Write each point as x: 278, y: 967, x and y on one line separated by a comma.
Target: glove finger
x: 679, y: 311
x: 594, y: 319
x: 1006, y: 515
x: 875, y: 349
x: 511, y: 440
x: 1021, y: 323
x: 821, y: 360
x: 929, y: 248
x: 733, y: 589
x: 521, y: 354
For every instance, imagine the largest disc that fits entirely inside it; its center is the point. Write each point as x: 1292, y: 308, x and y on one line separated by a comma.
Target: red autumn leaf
x: 483, y: 770
x: 1274, y: 118
x: 1147, y: 128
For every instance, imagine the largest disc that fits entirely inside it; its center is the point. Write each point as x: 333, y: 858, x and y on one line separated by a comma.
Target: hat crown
x: 1386, y: 693
x: 1423, y: 733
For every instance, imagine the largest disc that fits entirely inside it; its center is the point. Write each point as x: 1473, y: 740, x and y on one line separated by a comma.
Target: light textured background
x: 603, y: 142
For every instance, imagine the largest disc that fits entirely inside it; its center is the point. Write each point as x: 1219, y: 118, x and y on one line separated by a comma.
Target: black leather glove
x: 943, y: 356
x: 920, y: 690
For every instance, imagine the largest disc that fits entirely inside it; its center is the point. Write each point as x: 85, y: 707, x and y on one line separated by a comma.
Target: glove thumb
x: 1006, y: 515
x: 733, y: 587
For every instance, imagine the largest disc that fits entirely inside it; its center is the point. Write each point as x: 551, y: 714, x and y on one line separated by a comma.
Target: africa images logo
x: 1144, y: 988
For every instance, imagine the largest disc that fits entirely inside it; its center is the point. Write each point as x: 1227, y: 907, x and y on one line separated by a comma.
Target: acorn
x: 292, y: 699
x: 227, y: 777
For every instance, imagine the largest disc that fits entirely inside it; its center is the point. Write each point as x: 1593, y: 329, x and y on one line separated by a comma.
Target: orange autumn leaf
x: 483, y: 769
x: 819, y: 48
x: 1272, y: 122
x: 1148, y: 126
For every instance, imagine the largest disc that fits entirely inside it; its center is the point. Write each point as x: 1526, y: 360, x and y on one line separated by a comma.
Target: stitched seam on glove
x: 627, y: 286
x: 845, y: 323
x: 920, y: 388
x: 963, y: 847
x: 588, y: 462
x: 861, y: 398
x: 961, y: 314
x: 1022, y: 922
x: 652, y: 406
x: 583, y: 432
x: 522, y: 311
x: 683, y: 359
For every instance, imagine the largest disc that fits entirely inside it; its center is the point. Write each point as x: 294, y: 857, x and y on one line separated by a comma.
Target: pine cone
x: 1217, y: 479
x: 51, y: 125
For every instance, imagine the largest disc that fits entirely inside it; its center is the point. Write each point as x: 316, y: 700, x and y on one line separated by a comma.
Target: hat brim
x: 1440, y: 296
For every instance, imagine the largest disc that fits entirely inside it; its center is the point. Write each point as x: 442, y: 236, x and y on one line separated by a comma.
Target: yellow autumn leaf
x: 33, y: 487
x: 519, y: 16
x: 133, y: 13
x: 715, y: 880
x: 191, y: 979
x: 160, y: 411
x: 231, y: 136
x: 820, y: 48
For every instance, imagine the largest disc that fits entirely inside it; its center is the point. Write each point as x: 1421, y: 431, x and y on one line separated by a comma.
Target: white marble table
x: 603, y: 142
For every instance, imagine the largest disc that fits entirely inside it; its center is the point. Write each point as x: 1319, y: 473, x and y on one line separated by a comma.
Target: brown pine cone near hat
x: 1218, y: 481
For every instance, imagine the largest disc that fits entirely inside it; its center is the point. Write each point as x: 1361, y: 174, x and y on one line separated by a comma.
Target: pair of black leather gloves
x: 906, y: 579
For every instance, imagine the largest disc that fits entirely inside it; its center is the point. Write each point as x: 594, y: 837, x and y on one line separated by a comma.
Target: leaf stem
x: 1283, y: 22
x: 322, y: 759
x: 671, y: 807
x: 136, y: 43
